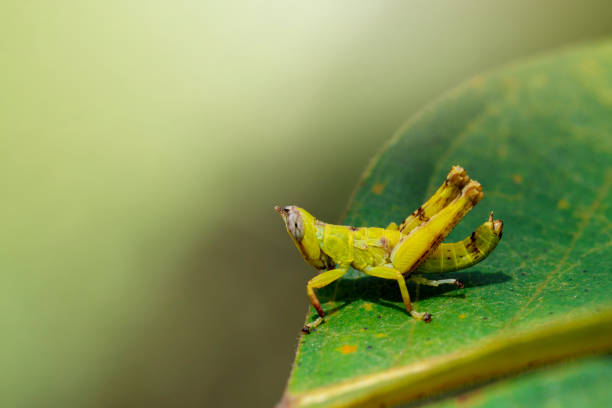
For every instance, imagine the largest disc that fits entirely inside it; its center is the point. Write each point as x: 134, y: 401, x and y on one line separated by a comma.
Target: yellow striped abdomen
x: 462, y: 254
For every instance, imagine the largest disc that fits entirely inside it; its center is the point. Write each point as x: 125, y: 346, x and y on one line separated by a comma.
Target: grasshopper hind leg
x: 456, y: 179
x: 414, y: 248
x: 423, y: 281
x: 388, y: 272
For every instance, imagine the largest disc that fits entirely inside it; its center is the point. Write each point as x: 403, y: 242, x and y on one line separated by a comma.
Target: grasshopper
x: 396, y: 252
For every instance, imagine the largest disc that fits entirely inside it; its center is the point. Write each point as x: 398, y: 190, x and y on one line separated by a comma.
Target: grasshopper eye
x: 295, y: 224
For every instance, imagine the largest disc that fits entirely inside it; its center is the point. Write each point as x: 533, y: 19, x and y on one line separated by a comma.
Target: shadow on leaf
x: 386, y: 292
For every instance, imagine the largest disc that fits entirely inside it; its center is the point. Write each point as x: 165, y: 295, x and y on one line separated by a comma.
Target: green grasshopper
x: 407, y: 251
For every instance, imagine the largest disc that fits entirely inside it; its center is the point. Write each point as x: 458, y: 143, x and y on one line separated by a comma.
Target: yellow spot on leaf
x: 563, y: 204
x: 348, y: 349
x: 517, y: 178
x: 381, y: 335
x: 378, y: 188
x: 462, y: 316
x: 367, y: 306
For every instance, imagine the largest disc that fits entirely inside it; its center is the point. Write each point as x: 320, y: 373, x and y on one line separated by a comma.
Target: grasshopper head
x: 301, y: 227
x: 293, y: 221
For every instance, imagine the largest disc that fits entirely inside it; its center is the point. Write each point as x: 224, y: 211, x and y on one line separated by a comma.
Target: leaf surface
x: 538, y: 136
x: 585, y: 382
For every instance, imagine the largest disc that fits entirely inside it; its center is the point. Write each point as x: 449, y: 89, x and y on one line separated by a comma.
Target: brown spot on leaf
x: 378, y: 188
x: 517, y: 178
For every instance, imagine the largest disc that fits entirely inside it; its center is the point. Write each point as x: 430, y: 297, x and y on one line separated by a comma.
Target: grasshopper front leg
x: 319, y: 281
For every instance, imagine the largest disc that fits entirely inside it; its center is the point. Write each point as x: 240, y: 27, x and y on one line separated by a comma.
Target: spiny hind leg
x: 386, y: 272
x: 415, y: 248
x: 456, y: 179
x: 422, y: 281
x: 323, y: 279
x: 459, y: 255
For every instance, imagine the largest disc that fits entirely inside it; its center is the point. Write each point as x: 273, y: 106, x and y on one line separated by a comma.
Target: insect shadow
x: 386, y: 292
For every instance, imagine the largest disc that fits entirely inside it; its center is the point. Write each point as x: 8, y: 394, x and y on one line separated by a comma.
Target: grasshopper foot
x: 459, y: 283
x: 426, y: 317
x: 309, y: 327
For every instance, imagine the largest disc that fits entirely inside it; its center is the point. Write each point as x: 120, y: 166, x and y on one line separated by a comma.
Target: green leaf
x: 579, y: 383
x: 538, y: 136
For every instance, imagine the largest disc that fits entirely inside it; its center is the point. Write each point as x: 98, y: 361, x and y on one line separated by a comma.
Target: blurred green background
x: 144, y: 145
